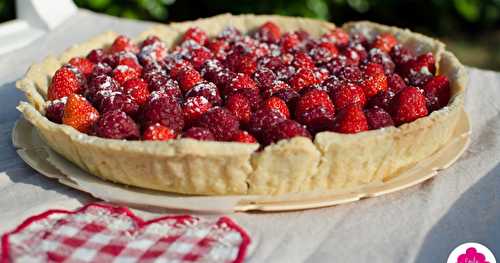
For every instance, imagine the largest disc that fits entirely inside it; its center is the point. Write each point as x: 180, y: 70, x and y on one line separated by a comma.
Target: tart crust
x: 333, y: 161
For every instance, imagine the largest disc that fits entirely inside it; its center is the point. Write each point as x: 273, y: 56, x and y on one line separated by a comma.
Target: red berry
x: 137, y: 89
x: 158, y: 132
x: 289, y: 42
x: 244, y: 137
x: 64, y: 83
x: 351, y: 119
x: 79, y: 113
x: 302, y: 78
x: 221, y: 122
x: 312, y: 99
x: 188, y: 78
x: 219, y: 48
x: 253, y: 97
x: 117, y: 125
x: 286, y: 129
x: 323, y: 52
x: 395, y: 83
x: 55, y: 110
x: 268, y: 32
x: 379, y: 57
x: 207, y: 90
x: 274, y: 88
x: 199, y: 133
x: 111, y: 101
x: 84, y: 65
x: 245, y: 63
x: 401, y: 55
x: 194, y: 107
x: 378, y: 118
x: 385, y: 42
x: 381, y: 100
x: 122, y: 73
x: 339, y: 37
x: 302, y: 60
x: 277, y: 104
x: 348, y: 94
x: 179, y: 66
x: 165, y: 110
x: 375, y: 80
x: 264, y: 77
x: 123, y: 43
x: 196, y: 34
x: 316, y: 119
x: 198, y: 56
x: 239, y: 82
x: 418, y: 71
x: 96, y: 55
x: 437, y: 91
x: 408, y: 105
x: 239, y: 105
x: 99, y: 86
x: 263, y: 119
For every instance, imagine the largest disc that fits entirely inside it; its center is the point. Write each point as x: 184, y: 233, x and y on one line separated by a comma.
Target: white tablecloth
x: 420, y: 224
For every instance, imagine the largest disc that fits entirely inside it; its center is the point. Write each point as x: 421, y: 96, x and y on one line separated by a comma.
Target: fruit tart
x: 248, y: 104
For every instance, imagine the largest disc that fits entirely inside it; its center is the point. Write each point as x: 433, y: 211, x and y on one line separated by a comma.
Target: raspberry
x: 79, y: 113
x: 229, y: 34
x: 263, y: 119
x: 348, y: 94
x: 137, y: 89
x: 420, y: 70
x: 219, y: 48
x: 188, y: 78
x: 128, y: 59
x: 395, y: 83
x: 385, y: 42
x: 253, y: 97
x: 316, y: 119
x: 164, y: 110
x: 152, y: 53
x: 351, y: 74
x: 239, y: 82
x: 97, y: 84
x: 163, y: 84
x: 312, y: 99
x: 199, y: 56
x: 179, y: 66
x: 302, y: 78
x: 158, y: 132
x: 195, y: 34
x: 351, y: 119
x: 349, y: 56
x: 207, y: 90
x: 375, y: 80
x: 221, y: 122
x: 321, y: 74
x: 194, y: 107
x: 244, y: 137
x: 239, y: 106
x: 268, y: 32
x: 96, y: 55
x: 335, y: 65
x: 84, y: 65
x: 117, y: 101
x: 401, y: 55
x: 123, y: 43
x: 359, y: 38
x: 245, y: 63
x: 332, y: 83
x: 150, y: 40
x: 64, y: 83
x: 264, y: 77
x: 117, y: 125
x: 379, y: 57
x: 408, y: 105
x: 323, y: 52
x: 101, y: 69
x: 289, y: 96
x: 275, y: 103
x: 55, y: 110
x: 381, y: 100
x: 339, y: 37
x: 378, y: 118
x: 289, y: 42
x: 286, y: 129
x: 302, y: 60
x: 199, y: 133
x: 122, y: 73
x: 437, y: 91
x: 275, y: 87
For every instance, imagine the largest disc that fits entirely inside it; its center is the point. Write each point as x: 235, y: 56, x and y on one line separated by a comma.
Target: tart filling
x: 312, y: 98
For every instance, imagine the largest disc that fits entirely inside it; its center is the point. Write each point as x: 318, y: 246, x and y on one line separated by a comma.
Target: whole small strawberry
x: 79, y: 113
x: 302, y: 78
x: 290, y: 42
x: 312, y: 99
x: 194, y: 107
x: 199, y: 56
x: 351, y: 119
x: 239, y: 105
x: 207, y: 90
x: 85, y: 66
x: 275, y: 103
x: 123, y: 43
x: 409, y: 105
x: 244, y: 137
x: 303, y: 60
x: 137, y: 89
x: 348, y: 94
x: 122, y: 73
x: 437, y: 91
x: 324, y: 52
x: 268, y: 32
x: 375, y: 80
x: 196, y: 34
x: 64, y: 83
x: 188, y: 78
x: 385, y: 42
x: 158, y: 132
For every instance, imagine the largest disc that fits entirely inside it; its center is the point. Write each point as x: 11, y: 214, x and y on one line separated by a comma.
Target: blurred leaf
x: 469, y: 9
x: 361, y: 6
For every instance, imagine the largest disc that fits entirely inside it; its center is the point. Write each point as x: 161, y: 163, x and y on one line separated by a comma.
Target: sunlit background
x: 471, y: 28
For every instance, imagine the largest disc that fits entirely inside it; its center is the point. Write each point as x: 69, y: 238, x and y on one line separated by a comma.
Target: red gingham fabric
x: 103, y: 233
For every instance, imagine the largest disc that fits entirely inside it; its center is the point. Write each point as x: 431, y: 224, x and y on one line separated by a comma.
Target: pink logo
x: 472, y: 256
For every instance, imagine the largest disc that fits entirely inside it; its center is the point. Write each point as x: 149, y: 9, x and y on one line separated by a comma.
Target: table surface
x: 420, y: 224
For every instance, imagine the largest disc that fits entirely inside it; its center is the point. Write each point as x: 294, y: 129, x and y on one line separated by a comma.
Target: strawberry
x: 239, y: 82
x: 351, y: 119
x: 122, y: 73
x: 239, y: 105
x: 418, y: 71
x: 324, y: 52
x: 219, y: 48
x: 244, y: 137
x: 289, y: 42
x: 339, y: 37
x: 64, y: 83
x: 385, y: 42
x: 268, y: 32
x: 437, y: 91
x: 79, y: 113
x: 123, y: 43
x: 408, y: 105
x: 375, y: 80
x: 302, y: 60
x: 187, y: 78
x: 198, y: 56
x: 378, y: 118
x: 348, y: 94
x: 137, y: 89
x: 196, y: 34
x: 277, y: 104
x: 158, y: 132
x: 312, y: 99
x: 194, y: 107
x: 85, y: 66
x: 302, y: 78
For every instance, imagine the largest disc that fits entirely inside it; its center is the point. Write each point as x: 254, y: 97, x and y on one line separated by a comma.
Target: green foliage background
x: 471, y: 28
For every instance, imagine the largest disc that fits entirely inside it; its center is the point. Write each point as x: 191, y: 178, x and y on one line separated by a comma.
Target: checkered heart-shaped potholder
x: 104, y: 233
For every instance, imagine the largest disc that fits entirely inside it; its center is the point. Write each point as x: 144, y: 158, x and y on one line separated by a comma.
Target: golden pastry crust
x: 332, y: 161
